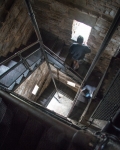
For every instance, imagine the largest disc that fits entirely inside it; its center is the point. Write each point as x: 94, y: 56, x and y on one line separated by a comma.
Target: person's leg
x: 68, y: 61
x: 76, y: 64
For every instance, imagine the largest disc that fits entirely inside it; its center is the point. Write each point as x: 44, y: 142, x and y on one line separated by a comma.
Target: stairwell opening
x: 61, y: 104
x: 79, y: 28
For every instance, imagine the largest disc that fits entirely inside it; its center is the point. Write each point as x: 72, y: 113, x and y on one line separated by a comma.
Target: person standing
x: 77, y: 52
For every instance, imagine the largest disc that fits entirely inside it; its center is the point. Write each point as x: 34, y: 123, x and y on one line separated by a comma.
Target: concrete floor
x: 61, y: 105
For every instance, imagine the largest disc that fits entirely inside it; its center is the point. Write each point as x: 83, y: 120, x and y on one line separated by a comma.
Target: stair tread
x: 26, y: 73
x: 29, y: 62
x: 33, y: 66
x: 32, y: 59
x: 11, y: 63
x: 8, y: 79
x: 38, y: 54
x: 3, y: 69
x: 12, y: 86
x: 19, y: 79
x: 20, y: 68
x: 55, y: 62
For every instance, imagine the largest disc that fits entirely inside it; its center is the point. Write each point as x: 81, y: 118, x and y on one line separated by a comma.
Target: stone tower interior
x: 42, y: 104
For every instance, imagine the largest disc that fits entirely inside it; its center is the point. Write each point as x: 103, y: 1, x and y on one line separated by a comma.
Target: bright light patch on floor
x: 60, y: 105
x: 82, y: 29
x: 71, y: 83
x: 35, y: 89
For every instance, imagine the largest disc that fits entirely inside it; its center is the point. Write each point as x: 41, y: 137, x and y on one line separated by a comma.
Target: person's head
x: 80, y: 39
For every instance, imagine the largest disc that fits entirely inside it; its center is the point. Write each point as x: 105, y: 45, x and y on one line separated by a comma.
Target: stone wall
x: 16, y: 27
x: 58, y: 75
x: 4, y: 9
x: 57, y: 17
x: 106, y: 8
x: 40, y: 77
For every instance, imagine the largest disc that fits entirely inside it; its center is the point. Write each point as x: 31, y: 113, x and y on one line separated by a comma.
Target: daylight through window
x: 82, y: 29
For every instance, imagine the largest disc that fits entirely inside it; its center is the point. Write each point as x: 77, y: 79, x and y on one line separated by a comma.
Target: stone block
x: 97, y: 28
x: 58, y: 7
x: 94, y: 46
x: 91, y: 37
x: 103, y: 23
x: 112, y: 13
x: 101, y: 34
x: 104, y: 31
x: 117, y: 38
x: 113, y: 41
x: 107, y: 12
x: 96, y: 34
x: 97, y: 43
x: 108, y: 48
x: 75, y: 14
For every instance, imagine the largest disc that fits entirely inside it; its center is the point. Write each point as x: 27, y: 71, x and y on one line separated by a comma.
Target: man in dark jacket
x: 77, y: 52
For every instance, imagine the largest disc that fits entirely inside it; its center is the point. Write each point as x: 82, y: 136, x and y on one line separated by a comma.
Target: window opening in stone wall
x: 79, y: 28
x: 34, y: 92
x: 71, y: 83
x: 60, y: 105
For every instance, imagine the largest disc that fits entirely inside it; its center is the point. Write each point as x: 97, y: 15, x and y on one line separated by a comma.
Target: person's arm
x: 88, y: 50
x: 85, y: 87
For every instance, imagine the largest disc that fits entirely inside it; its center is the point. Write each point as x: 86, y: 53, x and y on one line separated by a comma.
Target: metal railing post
x: 104, y: 44
x: 34, y: 22
x: 106, y: 40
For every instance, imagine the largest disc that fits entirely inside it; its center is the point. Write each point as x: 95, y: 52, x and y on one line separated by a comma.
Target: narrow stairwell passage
x: 49, y: 92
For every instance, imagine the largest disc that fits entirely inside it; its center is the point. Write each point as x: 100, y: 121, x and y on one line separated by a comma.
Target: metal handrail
x: 12, y: 68
x: 16, y: 54
x: 46, y: 49
x: 52, y: 52
x: 18, y: 63
x: 31, y: 53
x: 36, y: 28
x: 59, y: 59
x: 37, y: 105
x: 63, y: 65
x: 10, y: 71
